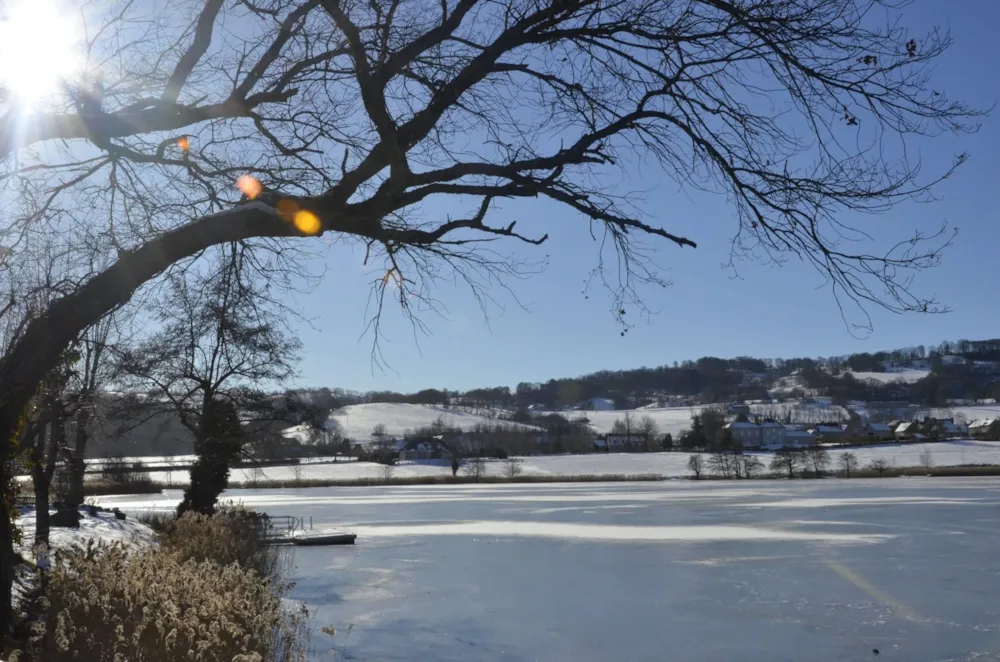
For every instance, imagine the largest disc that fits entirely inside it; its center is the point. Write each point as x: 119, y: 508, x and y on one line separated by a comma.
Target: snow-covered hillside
x: 668, y: 419
x: 356, y: 421
x: 906, y: 375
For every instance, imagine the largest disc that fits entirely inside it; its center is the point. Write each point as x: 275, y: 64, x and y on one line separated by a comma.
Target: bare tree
x: 475, y: 467
x: 786, y: 460
x: 627, y: 426
x: 848, y: 462
x: 345, y: 118
x: 750, y: 464
x: 879, y: 465
x: 386, y: 471
x: 818, y: 459
x: 724, y: 464
x: 381, y: 441
x: 512, y: 467
x: 696, y: 465
x: 216, y: 345
x: 649, y: 431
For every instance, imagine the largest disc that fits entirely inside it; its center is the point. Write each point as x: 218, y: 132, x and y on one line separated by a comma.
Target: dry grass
x: 210, y: 592
x: 235, y: 534
x: 157, y: 606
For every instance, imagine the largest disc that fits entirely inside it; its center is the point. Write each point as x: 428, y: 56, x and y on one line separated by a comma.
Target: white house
x: 905, y: 430
x: 981, y: 428
x: 745, y: 434
x: 772, y: 434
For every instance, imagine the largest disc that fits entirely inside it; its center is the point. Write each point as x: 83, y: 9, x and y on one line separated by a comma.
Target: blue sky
x: 767, y: 312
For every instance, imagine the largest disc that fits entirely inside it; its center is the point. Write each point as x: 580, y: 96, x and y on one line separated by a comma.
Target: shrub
x: 475, y: 467
x: 235, y: 534
x: 512, y: 467
x: 158, y: 606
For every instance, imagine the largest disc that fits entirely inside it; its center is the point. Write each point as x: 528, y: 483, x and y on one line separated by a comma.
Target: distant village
x: 744, y: 429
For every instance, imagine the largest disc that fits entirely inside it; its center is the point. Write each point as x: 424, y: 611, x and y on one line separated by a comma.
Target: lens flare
x: 306, y: 222
x: 183, y: 144
x: 249, y: 186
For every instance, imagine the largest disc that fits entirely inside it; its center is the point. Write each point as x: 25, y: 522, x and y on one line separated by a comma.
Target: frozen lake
x: 770, y: 570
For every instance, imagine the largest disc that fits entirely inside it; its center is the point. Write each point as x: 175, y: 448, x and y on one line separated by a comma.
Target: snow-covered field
x: 668, y: 419
x: 357, y: 421
x: 670, y: 465
x: 908, y: 376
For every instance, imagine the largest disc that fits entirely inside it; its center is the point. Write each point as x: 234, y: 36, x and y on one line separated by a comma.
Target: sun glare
x: 38, y: 48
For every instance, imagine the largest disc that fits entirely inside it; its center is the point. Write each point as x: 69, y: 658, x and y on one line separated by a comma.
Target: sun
x: 38, y: 48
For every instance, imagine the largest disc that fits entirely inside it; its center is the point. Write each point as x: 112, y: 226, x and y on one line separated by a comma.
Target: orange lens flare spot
x: 286, y: 209
x: 183, y: 144
x: 249, y: 186
x: 306, y: 222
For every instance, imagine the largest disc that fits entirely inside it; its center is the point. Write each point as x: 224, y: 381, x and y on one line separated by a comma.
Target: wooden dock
x: 317, y: 538
x: 291, y: 530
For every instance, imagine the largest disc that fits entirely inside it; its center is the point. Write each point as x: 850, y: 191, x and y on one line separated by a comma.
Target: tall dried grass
x: 210, y: 592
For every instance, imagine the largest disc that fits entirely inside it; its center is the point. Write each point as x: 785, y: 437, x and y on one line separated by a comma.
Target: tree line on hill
x: 711, y: 379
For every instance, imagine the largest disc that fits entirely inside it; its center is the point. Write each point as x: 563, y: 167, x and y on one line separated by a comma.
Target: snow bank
x: 102, y: 528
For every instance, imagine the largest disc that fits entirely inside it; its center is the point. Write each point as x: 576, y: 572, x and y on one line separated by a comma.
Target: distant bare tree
x: 380, y: 437
x: 512, y: 467
x: 724, y: 464
x: 818, y: 459
x: 879, y: 465
x: 848, y: 462
x: 626, y: 425
x: 786, y: 460
x: 649, y: 431
x: 696, y: 465
x: 475, y: 467
x: 386, y: 471
x: 751, y: 465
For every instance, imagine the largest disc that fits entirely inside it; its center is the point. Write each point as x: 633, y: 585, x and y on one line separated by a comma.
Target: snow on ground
x: 356, y: 421
x: 668, y: 419
x: 907, y: 375
x: 671, y: 465
x: 101, y: 527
